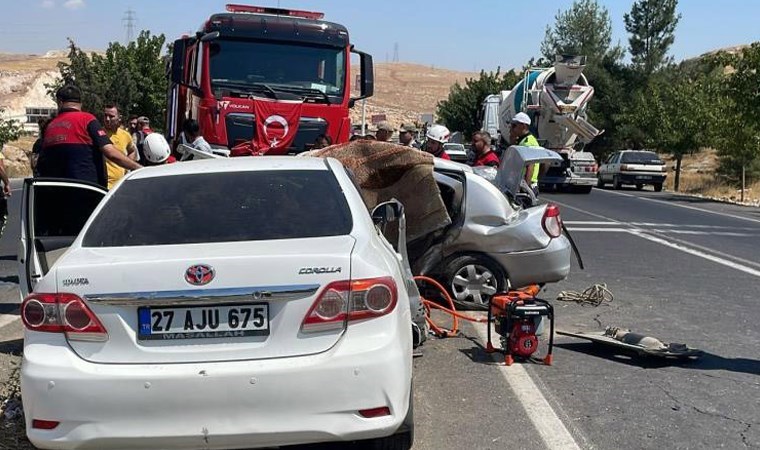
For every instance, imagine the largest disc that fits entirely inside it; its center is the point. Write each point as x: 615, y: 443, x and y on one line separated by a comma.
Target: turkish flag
x: 276, y: 127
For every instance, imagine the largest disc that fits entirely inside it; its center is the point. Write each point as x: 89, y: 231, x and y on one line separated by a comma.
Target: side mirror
x: 390, y: 211
x: 210, y: 36
x: 178, y: 61
x: 387, y: 212
x: 367, y: 76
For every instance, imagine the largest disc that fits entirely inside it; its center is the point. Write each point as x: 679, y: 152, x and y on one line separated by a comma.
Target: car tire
x: 599, y: 182
x: 658, y: 187
x: 639, y: 187
x: 473, y: 279
x: 616, y: 183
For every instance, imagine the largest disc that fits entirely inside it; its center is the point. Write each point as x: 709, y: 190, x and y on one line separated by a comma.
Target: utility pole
x: 130, y: 21
x: 395, y: 52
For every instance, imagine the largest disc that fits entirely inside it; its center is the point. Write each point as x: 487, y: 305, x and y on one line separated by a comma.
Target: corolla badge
x: 199, y: 274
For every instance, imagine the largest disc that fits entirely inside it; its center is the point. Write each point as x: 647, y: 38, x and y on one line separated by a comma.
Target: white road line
x: 694, y: 252
x: 548, y: 424
x: 733, y: 216
x: 584, y: 222
x: 595, y: 230
x: 686, y: 247
x: 709, y: 233
x: 7, y: 319
x: 687, y: 232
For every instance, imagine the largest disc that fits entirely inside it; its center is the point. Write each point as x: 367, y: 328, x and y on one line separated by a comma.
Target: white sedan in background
x: 213, y: 304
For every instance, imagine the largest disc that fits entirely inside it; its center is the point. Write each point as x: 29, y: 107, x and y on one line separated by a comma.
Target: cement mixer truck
x: 556, y: 98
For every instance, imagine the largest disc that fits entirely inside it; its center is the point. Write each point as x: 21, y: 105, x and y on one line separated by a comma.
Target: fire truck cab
x: 249, y: 53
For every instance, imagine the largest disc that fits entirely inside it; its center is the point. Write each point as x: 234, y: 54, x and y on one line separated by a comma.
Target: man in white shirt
x: 192, y: 136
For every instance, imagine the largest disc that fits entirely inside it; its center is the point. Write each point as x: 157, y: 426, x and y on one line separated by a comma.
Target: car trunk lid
x: 207, y: 292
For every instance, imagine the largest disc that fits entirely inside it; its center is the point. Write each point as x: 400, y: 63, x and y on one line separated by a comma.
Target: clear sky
x: 456, y: 34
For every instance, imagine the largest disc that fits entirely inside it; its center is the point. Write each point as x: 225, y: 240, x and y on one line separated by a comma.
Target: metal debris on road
x: 639, y: 343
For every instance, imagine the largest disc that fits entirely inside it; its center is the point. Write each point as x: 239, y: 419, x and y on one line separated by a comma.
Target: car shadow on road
x: 707, y: 361
x: 13, y: 346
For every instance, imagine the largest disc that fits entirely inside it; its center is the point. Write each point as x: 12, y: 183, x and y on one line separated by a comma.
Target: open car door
x: 53, y: 212
x: 514, y: 162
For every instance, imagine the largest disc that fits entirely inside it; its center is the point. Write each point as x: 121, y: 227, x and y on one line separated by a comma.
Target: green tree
x: 651, y: 25
x: 678, y: 114
x: 461, y: 110
x: 9, y: 130
x: 584, y: 29
x: 131, y: 76
x: 739, y: 125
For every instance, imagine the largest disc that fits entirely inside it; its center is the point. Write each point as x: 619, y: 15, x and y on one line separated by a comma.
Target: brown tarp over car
x: 384, y: 171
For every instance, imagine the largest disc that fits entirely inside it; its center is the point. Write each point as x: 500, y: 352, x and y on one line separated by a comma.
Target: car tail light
x: 551, y: 221
x: 347, y: 301
x: 44, y: 424
x: 62, y: 313
x: 375, y: 412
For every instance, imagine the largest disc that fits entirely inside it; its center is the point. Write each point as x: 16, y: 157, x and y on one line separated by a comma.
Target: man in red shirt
x: 74, y: 143
x: 484, y: 156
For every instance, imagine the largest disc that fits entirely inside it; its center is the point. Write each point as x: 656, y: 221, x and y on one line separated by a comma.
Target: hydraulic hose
x: 451, y: 310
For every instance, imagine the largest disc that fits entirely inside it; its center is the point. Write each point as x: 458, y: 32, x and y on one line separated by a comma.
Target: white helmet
x: 156, y: 149
x: 438, y: 133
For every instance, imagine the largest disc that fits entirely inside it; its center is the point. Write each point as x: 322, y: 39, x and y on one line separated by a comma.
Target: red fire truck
x: 249, y: 62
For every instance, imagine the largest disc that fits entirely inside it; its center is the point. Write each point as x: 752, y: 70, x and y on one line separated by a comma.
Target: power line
x: 130, y: 21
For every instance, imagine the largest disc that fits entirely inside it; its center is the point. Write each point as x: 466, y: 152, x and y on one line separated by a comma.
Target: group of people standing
x: 483, y: 153
x: 74, y: 145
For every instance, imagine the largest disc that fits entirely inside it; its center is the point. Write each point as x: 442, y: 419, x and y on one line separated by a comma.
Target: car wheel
x: 658, y: 187
x: 599, y: 182
x: 639, y: 187
x: 473, y: 279
x: 616, y: 183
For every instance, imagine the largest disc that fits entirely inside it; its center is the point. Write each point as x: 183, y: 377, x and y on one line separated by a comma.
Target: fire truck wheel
x: 473, y: 279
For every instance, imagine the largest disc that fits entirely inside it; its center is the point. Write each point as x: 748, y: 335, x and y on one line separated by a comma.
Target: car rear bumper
x: 547, y: 265
x: 567, y: 181
x: 237, y: 404
x: 641, y: 178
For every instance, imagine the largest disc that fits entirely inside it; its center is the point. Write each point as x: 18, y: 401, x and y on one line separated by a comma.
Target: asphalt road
x: 681, y: 269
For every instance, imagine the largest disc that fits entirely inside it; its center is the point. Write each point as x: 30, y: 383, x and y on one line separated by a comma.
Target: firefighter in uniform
x: 74, y: 143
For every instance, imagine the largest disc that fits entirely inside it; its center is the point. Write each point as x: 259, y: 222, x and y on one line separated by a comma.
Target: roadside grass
x: 698, y: 178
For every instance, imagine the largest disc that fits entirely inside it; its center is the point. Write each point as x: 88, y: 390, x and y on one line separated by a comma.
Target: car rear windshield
x: 222, y: 207
x: 640, y: 158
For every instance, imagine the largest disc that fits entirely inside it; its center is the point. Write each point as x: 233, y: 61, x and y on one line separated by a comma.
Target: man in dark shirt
x: 481, y: 142
x: 74, y: 143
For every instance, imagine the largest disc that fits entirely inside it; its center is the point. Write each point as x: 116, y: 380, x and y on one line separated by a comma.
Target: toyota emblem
x: 199, y: 274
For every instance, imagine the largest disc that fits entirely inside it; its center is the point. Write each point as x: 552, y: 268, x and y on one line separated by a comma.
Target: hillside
x: 403, y: 91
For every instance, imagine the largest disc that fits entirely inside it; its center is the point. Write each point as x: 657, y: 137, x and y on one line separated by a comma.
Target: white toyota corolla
x: 214, y: 304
